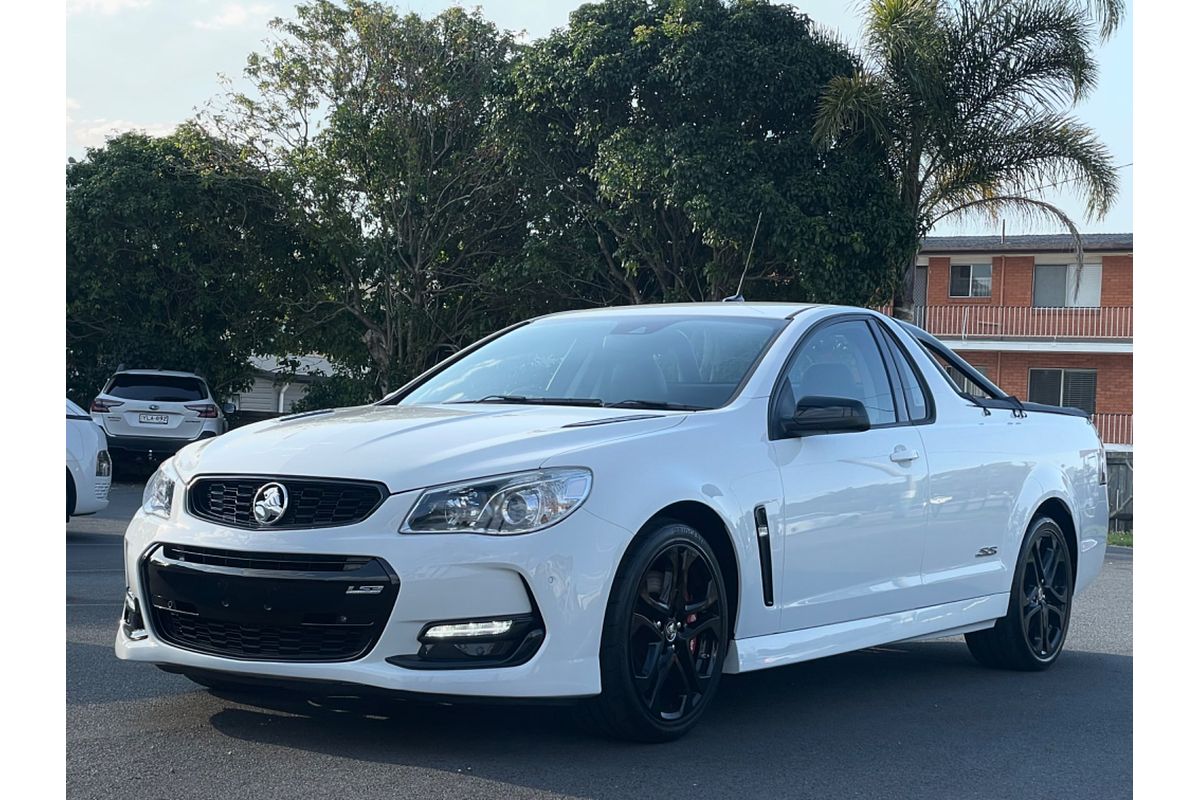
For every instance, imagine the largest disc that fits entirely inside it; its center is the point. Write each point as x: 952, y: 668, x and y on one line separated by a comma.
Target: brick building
x: 1023, y: 312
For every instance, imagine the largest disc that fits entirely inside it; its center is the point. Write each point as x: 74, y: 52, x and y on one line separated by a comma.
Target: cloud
x: 236, y: 15
x: 103, y: 6
x: 72, y: 105
x: 95, y: 132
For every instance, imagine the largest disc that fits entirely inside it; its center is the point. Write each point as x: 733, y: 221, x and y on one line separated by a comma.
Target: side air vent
x: 764, y: 554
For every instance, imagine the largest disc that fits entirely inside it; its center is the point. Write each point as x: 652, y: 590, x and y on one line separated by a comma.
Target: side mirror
x: 826, y: 415
x: 228, y: 407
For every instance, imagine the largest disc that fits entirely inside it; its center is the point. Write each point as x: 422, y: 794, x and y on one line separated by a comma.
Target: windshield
x: 637, y: 361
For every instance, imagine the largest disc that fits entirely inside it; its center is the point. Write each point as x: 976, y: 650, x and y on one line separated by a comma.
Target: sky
x: 151, y: 64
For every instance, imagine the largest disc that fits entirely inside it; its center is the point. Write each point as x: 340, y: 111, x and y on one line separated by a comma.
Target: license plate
x: 153, y: 419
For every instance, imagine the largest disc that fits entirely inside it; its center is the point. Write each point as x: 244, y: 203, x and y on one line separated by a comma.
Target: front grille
x: 268, y: 606
x: 290, y: 643
x: 312, y: 502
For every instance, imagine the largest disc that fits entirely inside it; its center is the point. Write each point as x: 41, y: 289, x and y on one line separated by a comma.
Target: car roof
x: 171, y: 372
x: 712, y: 309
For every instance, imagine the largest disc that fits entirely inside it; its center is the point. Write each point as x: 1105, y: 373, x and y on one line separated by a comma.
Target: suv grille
x: 312, y: 503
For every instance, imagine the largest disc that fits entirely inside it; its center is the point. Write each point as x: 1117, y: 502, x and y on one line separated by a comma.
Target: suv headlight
x: 159, y: 492
x: 519, y: 503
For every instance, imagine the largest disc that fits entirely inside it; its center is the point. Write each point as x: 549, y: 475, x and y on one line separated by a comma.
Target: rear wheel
x: 665, y: 638
x: 1031, y: 635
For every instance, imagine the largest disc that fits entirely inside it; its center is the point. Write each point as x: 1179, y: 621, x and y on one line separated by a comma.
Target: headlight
x: 520, y: 503
x: 158, y: 494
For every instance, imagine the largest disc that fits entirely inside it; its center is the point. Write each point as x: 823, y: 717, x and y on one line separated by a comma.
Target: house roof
x: 310, y: 365
x: 1051, y: 243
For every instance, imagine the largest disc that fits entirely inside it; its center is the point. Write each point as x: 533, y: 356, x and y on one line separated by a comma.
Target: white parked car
x: 151, y: 413
x: 618, y: 506
x: 89, y: 468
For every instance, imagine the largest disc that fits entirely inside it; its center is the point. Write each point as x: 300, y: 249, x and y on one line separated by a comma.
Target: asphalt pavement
x: 919, y: 719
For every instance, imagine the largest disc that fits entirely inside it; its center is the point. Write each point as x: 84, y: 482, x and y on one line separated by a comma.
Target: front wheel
x: 1031, y: 635
x: 665, y: 635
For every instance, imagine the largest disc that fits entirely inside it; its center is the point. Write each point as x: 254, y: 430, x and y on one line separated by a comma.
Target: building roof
x: 309, y: 365
x: 1051, y: 243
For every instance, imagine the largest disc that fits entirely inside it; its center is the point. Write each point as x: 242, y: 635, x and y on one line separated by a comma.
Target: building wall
x: 1012, y: 281
x: 263, y: 397
x: 1010, y: 371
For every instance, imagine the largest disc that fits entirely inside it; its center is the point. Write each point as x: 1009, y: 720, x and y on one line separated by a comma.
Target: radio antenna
x: 737, y: 296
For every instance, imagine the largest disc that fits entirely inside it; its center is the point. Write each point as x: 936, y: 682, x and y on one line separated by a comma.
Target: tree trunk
x: 902, y: 298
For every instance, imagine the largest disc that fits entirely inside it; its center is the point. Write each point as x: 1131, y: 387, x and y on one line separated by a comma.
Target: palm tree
x: 969, y: 101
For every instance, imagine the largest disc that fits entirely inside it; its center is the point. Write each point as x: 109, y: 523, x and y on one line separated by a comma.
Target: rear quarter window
x: 157, y: 388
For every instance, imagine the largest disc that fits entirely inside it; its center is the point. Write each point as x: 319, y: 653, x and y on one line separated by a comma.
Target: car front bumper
x: 561, y: 576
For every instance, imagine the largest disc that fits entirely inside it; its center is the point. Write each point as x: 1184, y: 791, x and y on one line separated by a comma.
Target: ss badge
x: 984, y: 552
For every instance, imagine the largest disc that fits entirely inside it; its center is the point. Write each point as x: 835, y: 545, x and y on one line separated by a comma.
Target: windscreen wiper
x: 536, y: 401
x: 656, y: 404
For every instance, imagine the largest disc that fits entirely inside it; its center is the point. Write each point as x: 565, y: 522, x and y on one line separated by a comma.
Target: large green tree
x: 971, y: 100
x: 660, y: 138
x: 176, y: 255
x: 380, y: 126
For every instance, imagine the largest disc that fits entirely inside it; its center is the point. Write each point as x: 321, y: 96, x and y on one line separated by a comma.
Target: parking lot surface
x: 918, y: 719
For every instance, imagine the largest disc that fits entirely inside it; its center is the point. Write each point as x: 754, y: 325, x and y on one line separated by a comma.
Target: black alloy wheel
x: 1031, y: 635
x: 665, y: 637
x: 1046, y: 594
x: 675, y: 632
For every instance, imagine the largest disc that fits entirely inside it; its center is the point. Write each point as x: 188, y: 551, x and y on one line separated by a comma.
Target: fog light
x: 456, y: 630
x: 103, y: 464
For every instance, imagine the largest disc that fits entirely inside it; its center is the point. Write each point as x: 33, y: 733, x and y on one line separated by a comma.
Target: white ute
x: 616, y: 507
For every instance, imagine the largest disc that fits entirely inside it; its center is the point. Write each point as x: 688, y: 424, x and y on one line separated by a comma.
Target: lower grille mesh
x: 295, y: 643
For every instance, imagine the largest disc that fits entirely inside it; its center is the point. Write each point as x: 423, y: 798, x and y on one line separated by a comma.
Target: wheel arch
x: 1056, y: 508
x: 711, y: 525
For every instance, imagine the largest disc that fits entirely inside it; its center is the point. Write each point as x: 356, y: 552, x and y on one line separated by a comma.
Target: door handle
x: 903, y: 455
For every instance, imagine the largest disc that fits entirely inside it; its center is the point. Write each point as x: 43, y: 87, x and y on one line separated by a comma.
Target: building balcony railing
x: 976, y: 321
x: 1114, y: 428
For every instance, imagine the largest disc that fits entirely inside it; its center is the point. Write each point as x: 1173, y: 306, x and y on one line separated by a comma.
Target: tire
x: 1031, y: 635
x: 661, y: 648
x: 70, y: 495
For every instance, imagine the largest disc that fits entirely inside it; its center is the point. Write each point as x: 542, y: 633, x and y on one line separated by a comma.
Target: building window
x: 971, y: 280
x: 1071, y: 388
x: 1066, y: 286
x: 964, y: 384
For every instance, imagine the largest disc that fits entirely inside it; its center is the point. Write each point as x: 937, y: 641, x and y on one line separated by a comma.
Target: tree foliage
x: 176, y: 253
x: 970, y: 100
x: 380, y: 126
x: 654, y: 133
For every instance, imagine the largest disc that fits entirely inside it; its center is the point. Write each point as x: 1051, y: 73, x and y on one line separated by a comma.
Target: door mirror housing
x: 816, y: 415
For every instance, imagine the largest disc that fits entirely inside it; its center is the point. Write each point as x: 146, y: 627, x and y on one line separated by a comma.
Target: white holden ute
x: 614, y: 508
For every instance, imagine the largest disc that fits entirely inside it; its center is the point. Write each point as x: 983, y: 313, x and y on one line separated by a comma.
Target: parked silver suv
x: 149, y: 413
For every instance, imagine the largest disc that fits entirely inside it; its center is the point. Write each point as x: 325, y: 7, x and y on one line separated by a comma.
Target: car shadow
x: 912, y: 719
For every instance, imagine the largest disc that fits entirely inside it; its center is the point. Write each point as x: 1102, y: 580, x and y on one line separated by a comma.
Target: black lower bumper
x: 268, y: 606
x: 148, y: 446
